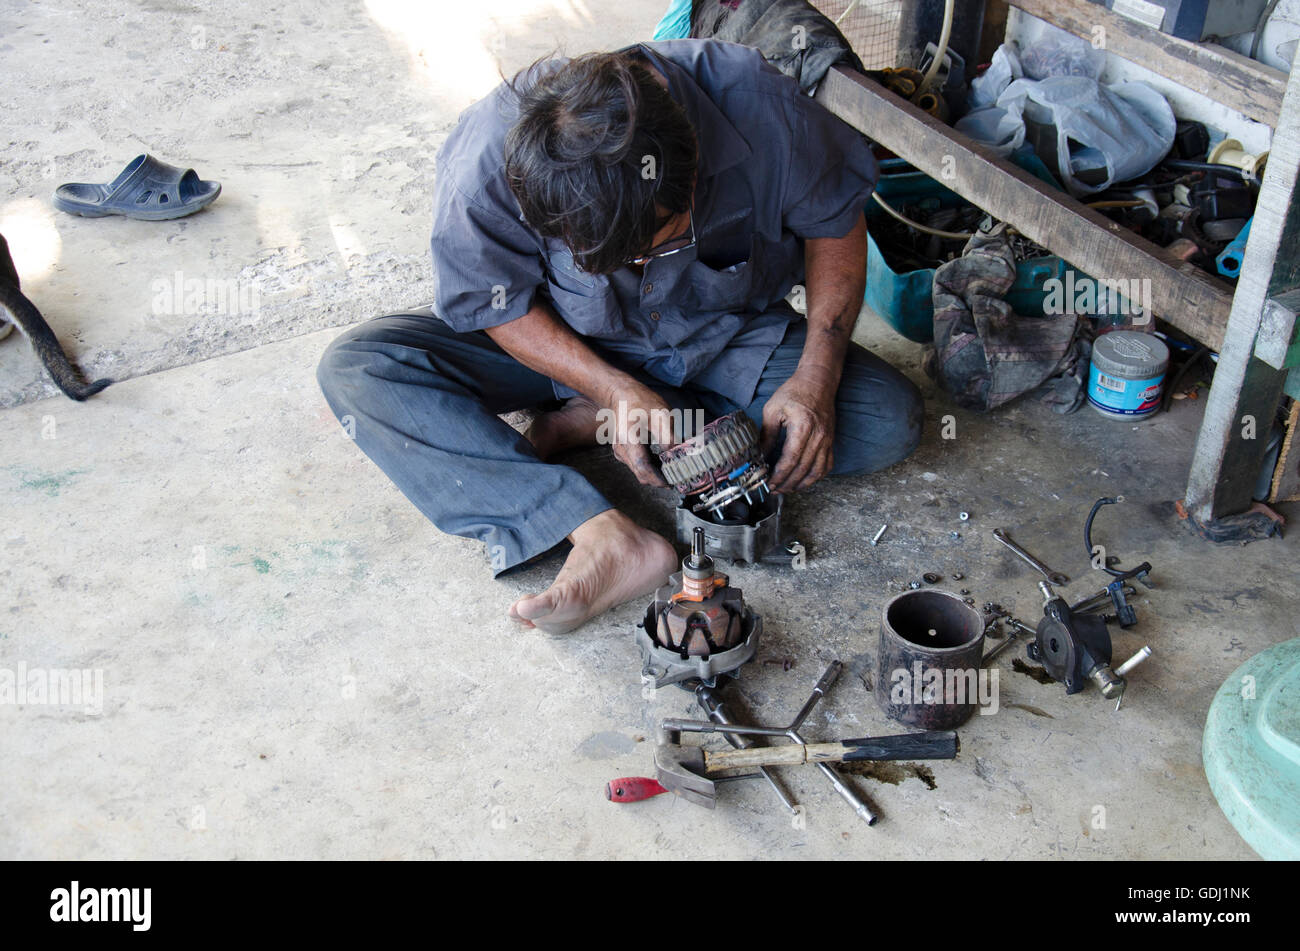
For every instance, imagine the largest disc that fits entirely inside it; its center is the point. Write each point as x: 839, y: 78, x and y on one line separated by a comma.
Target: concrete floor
x: 297, y: 665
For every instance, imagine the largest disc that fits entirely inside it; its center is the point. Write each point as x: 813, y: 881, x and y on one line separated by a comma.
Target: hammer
x: 691, y: 771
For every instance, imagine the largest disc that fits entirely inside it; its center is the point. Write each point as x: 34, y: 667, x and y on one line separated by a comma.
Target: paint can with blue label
x: 1127, y: 374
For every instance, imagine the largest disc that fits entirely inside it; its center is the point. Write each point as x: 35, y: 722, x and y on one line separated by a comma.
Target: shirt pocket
x: 584, y: 301
x: 730, y: 289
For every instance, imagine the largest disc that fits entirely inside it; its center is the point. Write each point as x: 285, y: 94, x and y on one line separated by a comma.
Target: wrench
x: 1055, y: 577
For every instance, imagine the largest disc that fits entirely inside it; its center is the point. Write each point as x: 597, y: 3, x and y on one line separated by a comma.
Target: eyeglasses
x: 672, y: 245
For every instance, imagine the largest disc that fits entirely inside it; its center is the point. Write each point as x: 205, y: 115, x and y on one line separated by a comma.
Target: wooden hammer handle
x: 936, y: 744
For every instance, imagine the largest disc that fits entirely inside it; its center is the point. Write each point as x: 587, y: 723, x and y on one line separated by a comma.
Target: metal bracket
x: 1276, y: 343
x: 667, y: 667
x: 748, y: 543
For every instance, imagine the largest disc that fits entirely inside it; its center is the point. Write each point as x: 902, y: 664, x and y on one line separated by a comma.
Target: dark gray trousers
x: 423, y: 401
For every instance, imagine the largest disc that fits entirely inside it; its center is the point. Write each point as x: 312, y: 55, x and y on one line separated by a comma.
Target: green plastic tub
x: 904, y: 300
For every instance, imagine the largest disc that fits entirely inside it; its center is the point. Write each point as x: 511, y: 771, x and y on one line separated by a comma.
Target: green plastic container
x: 1251, y: 750
x: 905, y: 300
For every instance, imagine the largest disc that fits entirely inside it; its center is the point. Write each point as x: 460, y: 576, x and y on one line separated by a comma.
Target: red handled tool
x: 632, y: 789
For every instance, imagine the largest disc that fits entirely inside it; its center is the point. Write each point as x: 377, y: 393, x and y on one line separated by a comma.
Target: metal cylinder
x: 931, y: 649
x: 1123, y: 669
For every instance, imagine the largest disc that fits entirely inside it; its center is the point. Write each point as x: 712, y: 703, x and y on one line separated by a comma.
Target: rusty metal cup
x: 931, y: 648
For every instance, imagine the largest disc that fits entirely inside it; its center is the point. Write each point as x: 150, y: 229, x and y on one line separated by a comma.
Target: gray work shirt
x: 774, y: 168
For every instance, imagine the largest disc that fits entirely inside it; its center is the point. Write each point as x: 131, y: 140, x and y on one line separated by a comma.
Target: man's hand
x: 804, y: 406
x: 634, y: 417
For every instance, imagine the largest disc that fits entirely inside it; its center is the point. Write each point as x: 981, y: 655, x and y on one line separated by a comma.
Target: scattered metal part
x: 1124, y: 612
x: 994, y: 612
x: 1133, y: 661
x: 860, y: 808
x: 1074, y: 648
x: 719, y: 466
x: 1055, y: 577
x: 1021, y: 626
x: 1125, y: 667
x: 939, y: 632
x: 1003, y: 645
x: 931, y: 578
x: 698, y: 626
x: 879, y: 533
x: 721, y: 476
x: 1096, y: 600
x: 753, y: 535
x: 1022, y: 249
x: 794, y: 547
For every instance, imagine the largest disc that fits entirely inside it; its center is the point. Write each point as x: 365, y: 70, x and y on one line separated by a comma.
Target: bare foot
x: 613, y: 561
x: 572, y: 425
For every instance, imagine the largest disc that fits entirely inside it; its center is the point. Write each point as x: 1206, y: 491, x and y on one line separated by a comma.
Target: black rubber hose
x: 1186, y: 165
x: 1191, y: 361
x: 1259, y: 28
x: 1087, y: 535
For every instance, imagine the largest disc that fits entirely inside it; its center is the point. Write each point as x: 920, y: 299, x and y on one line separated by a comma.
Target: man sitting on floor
x: 620, y: 231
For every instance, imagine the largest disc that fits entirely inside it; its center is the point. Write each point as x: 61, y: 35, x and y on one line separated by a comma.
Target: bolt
x: 785, y: 663
x: 879, y: 533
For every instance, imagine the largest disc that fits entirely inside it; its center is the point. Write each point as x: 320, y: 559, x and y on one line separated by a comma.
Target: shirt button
x: 648, y: 289
x: 654, y: 315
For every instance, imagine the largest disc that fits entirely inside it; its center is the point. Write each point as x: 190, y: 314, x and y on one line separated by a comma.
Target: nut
x: 931, y: 578
x: 964, y: 516
x: 957, y: 576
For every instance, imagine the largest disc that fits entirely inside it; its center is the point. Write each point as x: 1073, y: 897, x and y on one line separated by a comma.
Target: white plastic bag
x: 1121, y: 130
x: 1047, y: 50
x: 994, y: 127
x: 985, y: 89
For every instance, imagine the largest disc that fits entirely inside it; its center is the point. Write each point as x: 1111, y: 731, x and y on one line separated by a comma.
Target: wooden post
x: 1246, y: 391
